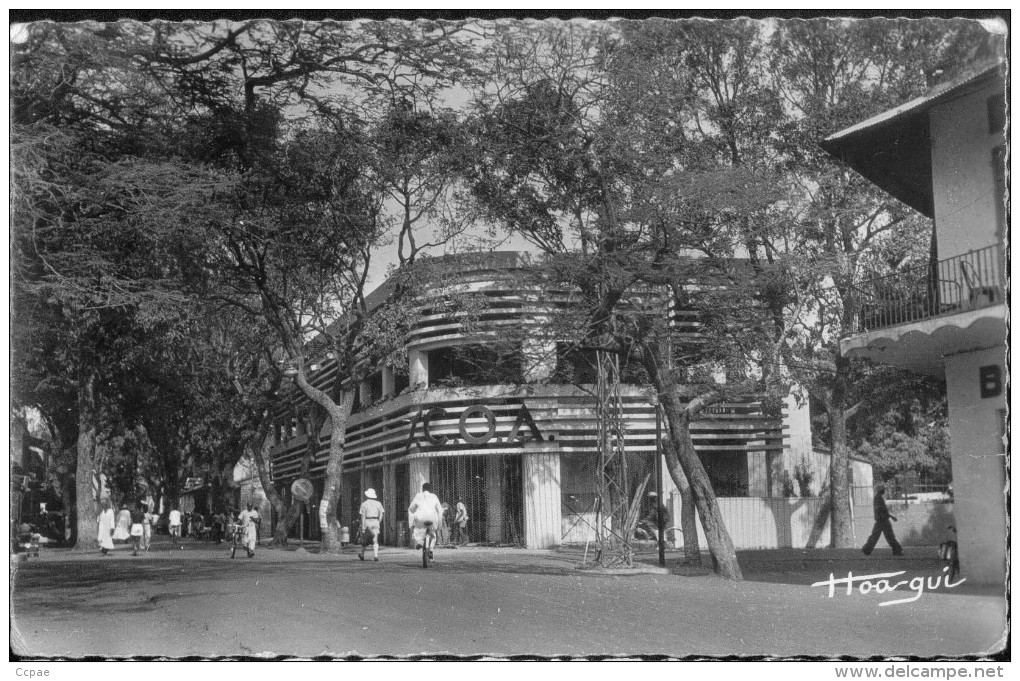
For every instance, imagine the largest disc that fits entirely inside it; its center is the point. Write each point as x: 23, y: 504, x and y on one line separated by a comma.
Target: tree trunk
x: 839, y: 479
x: 338, y: 413
x: 328, y: 523
x: 67, y: 497
x: 289, y: 518
x: 259, y: 449
x: 227, y: 486
x: 688, y: 519
x: 724, y: 556
x: 86, y: 504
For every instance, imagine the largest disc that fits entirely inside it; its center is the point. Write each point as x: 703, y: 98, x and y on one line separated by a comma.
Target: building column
x: 757, y: 474
x: 389, y: 502
x: 389, y: 382
x: 542, y: 502
x: 797, y: 425
x: 418, y: 369
x: 977, y: 410
x: 365, y: 480
x: 345, y: 499
x: 493, y: 499
x: 364, y: 394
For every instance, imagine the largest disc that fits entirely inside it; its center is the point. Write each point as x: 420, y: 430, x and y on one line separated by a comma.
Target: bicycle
x: 428, y: 542
x: 236, y: 537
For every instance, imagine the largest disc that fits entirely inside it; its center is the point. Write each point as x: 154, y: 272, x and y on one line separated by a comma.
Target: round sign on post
x: 302, y: 489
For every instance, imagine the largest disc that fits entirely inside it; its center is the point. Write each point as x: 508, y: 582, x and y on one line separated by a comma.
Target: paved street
x: 199, y: 602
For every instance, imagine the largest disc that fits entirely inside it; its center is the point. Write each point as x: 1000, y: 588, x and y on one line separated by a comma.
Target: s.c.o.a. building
x: 504, y: 420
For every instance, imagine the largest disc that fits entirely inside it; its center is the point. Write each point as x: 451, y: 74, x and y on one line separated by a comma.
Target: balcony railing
x: 958, y: 284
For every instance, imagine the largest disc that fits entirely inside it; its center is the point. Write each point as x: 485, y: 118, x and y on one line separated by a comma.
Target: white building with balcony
x: 944, y: 155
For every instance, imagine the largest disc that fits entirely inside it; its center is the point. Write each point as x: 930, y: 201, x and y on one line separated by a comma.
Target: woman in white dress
x: 123, y: 530
x: 106, y: 523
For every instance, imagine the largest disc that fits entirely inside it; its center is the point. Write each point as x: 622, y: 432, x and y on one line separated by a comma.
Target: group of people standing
x: 130, y: 524
x: 137, y: 524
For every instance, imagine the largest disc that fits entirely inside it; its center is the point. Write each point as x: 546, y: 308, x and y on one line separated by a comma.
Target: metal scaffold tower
x: 612, y: 493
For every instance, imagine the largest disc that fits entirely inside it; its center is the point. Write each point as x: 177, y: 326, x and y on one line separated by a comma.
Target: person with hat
x: 882, y: 525
x: 371, y: 517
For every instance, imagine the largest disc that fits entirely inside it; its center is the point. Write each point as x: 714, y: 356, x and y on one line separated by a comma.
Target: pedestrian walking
x: 175, y: 528
x: 248, y: 530
x: 148, y: 520
x: 882, y: 525
x: 106, y: 528
x: 137, y: 528
x: 122, y: 532
x: 257, y: 519
x: 219, y: 525
x: 371, y: 513
x: 460, y: 522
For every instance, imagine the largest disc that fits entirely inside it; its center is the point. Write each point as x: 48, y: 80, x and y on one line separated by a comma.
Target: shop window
x: 575, y: 366
x: 727, y: 471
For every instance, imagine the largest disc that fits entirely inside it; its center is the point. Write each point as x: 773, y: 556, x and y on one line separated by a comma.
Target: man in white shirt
x: 371, y: 516
x: 175, y: 528
x: 424, y: 509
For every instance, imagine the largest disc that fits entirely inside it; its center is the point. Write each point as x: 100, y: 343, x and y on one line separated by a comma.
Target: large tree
x: 180, y: 160
x: 571, y: 154
x: 832, y: 74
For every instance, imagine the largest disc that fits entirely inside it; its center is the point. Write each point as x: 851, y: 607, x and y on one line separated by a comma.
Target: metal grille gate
x: 492, y: 491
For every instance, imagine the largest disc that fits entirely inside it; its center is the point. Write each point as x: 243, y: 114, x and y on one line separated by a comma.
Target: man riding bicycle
x: 424, y: 510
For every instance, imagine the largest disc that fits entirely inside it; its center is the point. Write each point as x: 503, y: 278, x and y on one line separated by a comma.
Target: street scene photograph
x: 439, y: 339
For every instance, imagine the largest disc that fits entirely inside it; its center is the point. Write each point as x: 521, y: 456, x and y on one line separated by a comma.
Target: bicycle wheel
x: 426, y: 547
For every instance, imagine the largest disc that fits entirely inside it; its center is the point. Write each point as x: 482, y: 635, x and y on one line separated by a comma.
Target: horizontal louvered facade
x: 499, y: 442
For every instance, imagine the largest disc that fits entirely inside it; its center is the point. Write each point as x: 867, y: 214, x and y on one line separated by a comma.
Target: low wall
x: 923, y: 523
x: 762, y: 523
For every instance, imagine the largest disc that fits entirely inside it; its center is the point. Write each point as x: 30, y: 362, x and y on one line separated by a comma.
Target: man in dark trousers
x: 882, y: 525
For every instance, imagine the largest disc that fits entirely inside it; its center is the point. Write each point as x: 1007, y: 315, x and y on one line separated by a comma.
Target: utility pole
x: 658, y: 483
